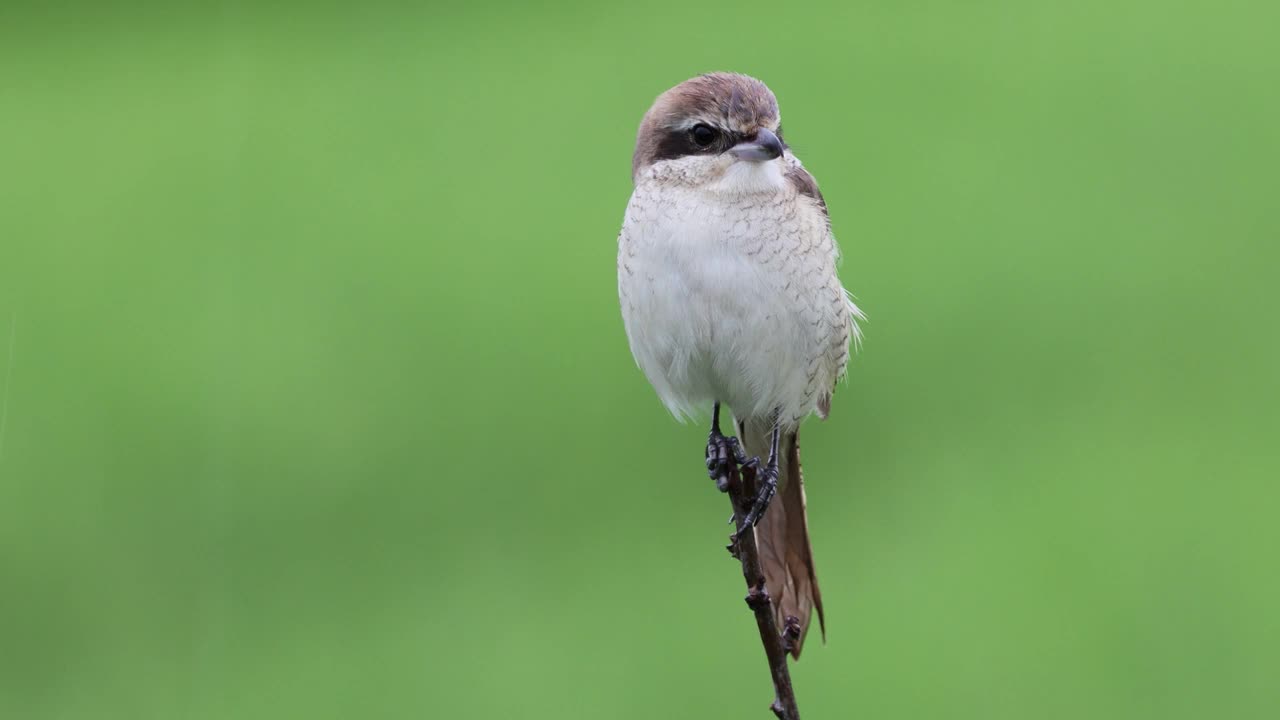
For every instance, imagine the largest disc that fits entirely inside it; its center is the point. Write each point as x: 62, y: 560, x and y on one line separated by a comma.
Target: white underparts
x: 727, y: 278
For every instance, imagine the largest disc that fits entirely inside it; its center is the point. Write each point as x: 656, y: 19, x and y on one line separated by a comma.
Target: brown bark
x: 741, y: 487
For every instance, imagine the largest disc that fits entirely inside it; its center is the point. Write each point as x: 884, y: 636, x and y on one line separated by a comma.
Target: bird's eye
x: 703, y: 135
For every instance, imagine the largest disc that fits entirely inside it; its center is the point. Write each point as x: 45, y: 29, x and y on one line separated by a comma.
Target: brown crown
x: 724, y: 100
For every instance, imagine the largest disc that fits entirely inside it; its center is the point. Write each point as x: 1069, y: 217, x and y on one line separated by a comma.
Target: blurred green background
x: 316, y: 400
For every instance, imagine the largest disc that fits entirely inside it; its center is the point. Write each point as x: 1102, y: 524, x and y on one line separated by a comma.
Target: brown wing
x: 804, y: 183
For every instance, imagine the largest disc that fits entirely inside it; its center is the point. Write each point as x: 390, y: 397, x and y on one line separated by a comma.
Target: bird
x: 729, y: 294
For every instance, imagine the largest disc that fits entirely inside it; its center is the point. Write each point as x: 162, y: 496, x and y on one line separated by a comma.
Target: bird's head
x: 710, y: 126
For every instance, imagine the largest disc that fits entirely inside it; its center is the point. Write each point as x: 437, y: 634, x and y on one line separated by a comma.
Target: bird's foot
x: 723, y: 453
x: 767, y: 484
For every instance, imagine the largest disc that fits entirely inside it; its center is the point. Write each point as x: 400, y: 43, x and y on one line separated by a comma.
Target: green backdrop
x: 316, y: 400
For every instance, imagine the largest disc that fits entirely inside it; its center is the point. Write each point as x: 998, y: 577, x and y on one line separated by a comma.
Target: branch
x: 741, y: 487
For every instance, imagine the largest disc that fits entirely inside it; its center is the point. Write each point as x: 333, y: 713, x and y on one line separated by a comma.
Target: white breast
x: 729, y: 293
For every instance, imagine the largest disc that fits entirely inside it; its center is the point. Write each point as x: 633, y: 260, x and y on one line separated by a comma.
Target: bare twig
x: 741, y: 487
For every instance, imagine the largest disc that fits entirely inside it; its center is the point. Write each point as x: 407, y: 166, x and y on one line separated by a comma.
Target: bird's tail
x: 783, y: 535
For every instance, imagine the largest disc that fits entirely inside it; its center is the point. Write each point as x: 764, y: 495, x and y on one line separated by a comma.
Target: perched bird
x: 727, y: 281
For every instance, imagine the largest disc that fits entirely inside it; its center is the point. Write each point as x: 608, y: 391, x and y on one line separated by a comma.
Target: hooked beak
x: 765, y: 146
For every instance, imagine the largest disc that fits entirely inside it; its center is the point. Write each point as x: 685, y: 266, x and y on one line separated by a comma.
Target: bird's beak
x: 765, y: 146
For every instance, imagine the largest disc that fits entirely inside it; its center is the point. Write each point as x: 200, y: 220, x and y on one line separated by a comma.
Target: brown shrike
x: 727, y: 279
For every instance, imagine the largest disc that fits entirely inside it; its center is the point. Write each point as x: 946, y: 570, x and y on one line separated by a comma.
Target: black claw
x: 768, y: 488
x: 725, y: 452
x: 721, y: 451
x: 719, y: 458
x: 767, y: 483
